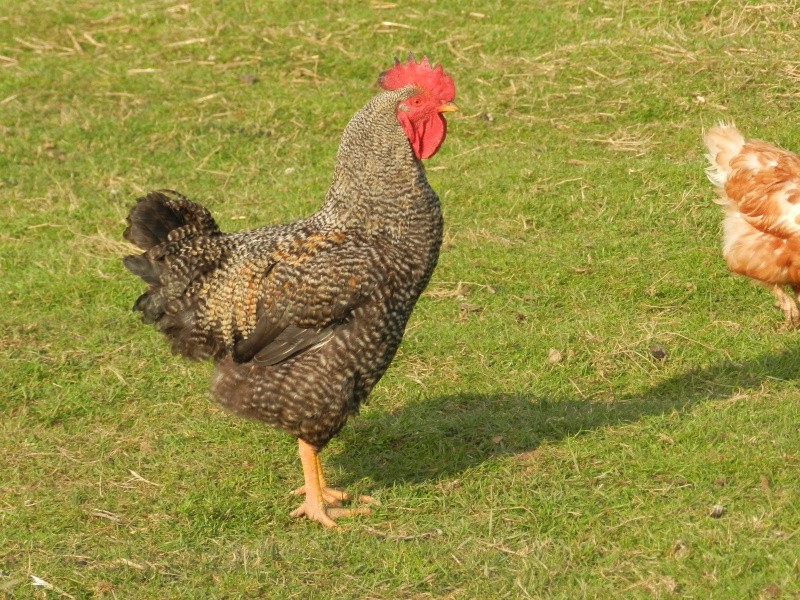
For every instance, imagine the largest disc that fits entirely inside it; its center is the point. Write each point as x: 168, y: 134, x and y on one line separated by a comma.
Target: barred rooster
x: 302, y: 319
x: 759, y: 187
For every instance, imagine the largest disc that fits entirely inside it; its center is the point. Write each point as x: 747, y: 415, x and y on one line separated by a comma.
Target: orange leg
x: 320, y: 499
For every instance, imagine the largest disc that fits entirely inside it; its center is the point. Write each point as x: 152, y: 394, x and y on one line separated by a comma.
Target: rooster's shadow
x: 436, y: 438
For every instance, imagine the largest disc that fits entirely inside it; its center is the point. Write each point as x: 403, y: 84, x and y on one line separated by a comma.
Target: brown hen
x: 759, y: 188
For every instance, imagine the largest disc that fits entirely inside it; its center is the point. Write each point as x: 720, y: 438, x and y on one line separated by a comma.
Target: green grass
x: 578, y: 219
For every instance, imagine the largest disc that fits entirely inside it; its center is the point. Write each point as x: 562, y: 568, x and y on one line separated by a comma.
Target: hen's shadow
x: 439, y: 437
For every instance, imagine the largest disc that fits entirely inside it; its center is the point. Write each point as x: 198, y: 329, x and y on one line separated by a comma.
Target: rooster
x: 302, y: 319
x: 759, y: 187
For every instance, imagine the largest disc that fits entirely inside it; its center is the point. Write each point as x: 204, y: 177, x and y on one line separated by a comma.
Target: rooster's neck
x: 378, y: 184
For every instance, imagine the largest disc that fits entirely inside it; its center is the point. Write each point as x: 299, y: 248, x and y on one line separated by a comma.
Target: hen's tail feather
x: 170, y: 229
x: 724, y: 143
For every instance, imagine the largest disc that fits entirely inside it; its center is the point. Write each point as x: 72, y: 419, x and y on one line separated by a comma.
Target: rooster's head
x: 421, y: 115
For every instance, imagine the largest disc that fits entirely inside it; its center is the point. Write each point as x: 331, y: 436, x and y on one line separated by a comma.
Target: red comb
x: 431, y: 79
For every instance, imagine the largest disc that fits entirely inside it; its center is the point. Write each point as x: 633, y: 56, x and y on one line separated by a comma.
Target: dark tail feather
x: 143, y: 267
x: 166, y: 215
x: 151, y: 306
x: 166, y: 225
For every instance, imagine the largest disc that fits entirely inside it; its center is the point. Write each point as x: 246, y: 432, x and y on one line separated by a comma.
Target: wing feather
x: 304, y: 292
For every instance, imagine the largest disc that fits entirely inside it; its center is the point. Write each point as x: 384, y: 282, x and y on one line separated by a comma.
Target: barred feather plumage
x: 301, y: 319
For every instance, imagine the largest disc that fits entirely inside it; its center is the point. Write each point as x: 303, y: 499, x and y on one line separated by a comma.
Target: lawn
x: 586, y: 404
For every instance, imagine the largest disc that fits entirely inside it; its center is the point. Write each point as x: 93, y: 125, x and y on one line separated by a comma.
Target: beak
x: 448, y: 107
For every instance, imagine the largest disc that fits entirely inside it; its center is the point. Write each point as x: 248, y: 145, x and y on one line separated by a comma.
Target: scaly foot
x: 334, y: 497
x: 326, y: 514
x: 321, y: 503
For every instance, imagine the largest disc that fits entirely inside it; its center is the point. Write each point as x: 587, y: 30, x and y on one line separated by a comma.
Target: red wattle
x: 425, y: 136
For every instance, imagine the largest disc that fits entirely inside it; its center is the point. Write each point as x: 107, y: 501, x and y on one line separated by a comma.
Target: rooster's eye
x: 416, y: 101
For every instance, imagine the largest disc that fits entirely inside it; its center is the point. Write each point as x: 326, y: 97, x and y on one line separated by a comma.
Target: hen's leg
x: 316, y: 506
x: 796, y: 290
x: 787, y: 304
